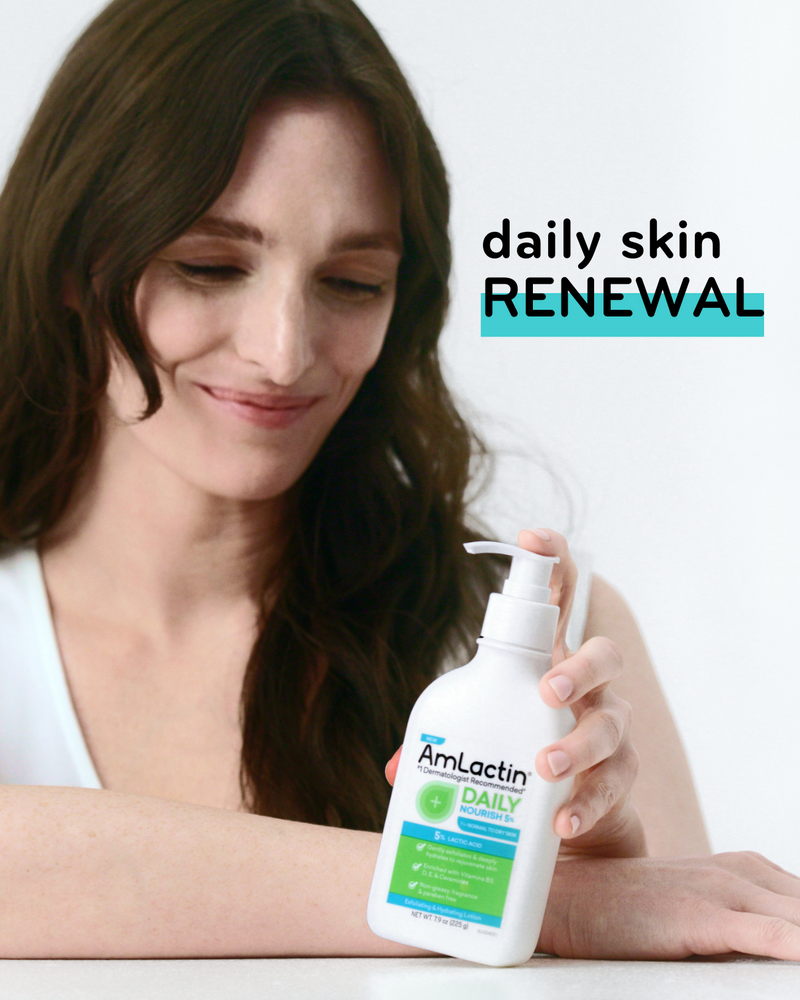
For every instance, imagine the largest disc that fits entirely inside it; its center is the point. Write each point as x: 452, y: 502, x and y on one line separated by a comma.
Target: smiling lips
x: 262, y: 409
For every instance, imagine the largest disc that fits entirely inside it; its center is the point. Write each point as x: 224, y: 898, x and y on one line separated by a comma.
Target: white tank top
x: 41, y: 742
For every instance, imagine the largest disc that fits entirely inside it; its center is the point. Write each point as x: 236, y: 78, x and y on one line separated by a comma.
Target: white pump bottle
x: 468, y: 847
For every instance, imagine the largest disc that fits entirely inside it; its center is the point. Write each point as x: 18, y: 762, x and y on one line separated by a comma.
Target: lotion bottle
x: 468, y: 848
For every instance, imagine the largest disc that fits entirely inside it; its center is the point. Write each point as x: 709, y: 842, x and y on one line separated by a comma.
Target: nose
x: 275, y: 331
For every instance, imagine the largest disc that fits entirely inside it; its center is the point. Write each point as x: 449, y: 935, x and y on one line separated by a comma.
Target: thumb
x: 391, y: 767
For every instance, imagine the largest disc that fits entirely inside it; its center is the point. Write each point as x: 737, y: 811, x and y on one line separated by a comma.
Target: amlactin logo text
x: 501, y: 771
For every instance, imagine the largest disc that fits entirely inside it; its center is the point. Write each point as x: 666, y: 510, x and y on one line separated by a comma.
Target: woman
x: 224, y: 274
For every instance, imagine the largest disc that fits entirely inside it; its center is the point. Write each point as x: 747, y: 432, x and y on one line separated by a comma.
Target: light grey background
x: 681, y: 456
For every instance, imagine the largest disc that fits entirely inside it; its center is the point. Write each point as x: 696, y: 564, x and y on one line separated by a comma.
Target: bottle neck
x: 516, y: 622
x: 506, y: 657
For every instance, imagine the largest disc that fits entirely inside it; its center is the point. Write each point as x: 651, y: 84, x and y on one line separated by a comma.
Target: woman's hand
x: 670, y: 908
x: 599, y: 818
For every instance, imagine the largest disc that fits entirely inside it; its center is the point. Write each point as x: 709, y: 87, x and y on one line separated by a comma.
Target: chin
x: 224, y: 466
x: 249, y: 487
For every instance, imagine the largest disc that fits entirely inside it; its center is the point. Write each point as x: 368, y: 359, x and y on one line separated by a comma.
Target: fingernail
x: 562, y: 686
x: 559, y: 762
x: 575, y: 824
x: 541, y: 533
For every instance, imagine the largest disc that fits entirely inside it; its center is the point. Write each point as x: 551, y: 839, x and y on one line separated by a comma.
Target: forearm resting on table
x: 95, y: 874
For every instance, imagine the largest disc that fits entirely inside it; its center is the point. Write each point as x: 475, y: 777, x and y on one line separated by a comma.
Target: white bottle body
x: 468, y: 848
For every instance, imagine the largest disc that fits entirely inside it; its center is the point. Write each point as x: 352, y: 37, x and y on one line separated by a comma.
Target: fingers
x: 758, y: 860
x: 595, y: 665
x: 755, y: 934
x: 759, y: 906
x: 391, y: 768
x: 760, y: 871
x: 547, y: 542
x: 599, y: 733
x: 599, y: 793
x: 599, y: 741
x: 600, y: 753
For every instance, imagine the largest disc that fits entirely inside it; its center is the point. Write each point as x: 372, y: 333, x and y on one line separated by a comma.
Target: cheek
x: 175, y: 327
x: 173, y: 330
x: 170, y: 337
x: 357, y: 345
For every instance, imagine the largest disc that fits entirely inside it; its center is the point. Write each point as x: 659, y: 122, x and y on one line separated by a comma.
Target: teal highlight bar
x: 432, y: 739
x: 451, y: 839
x: 444, y: 911
x: 710, y: 322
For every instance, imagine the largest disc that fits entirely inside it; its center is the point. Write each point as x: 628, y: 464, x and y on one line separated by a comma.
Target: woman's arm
x: 96, y: 874
x: 664, y: 793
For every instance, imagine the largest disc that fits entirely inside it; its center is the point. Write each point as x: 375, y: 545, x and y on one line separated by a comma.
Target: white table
x: 399, y: 979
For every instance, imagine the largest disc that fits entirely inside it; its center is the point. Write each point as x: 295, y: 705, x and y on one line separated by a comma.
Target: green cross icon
x: 436, y: 800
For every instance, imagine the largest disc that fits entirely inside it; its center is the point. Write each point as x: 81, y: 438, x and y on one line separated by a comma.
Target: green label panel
x: 451, y: 876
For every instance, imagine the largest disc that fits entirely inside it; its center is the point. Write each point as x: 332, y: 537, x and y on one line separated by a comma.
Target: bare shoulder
x: 664, y: 793
x: 609, y: 614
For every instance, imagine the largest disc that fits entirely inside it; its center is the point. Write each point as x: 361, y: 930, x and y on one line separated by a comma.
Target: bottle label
x: 455, y: 855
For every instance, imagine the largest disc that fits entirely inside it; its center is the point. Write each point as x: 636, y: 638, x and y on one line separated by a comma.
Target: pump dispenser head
x: 530, y: 573
x: 522, y: 615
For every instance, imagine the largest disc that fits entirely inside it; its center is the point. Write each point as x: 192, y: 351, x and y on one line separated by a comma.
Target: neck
x: 146, y: 546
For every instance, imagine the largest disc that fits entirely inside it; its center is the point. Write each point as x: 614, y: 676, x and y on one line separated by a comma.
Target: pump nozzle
x: 522, y: 614
x: 530, y: 573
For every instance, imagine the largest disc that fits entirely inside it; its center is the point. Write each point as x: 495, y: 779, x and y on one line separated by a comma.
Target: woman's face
x: 264, y: 317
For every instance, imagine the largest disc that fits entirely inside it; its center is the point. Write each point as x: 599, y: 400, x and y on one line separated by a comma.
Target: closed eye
x: 210, y: 273
x: 351, y: 289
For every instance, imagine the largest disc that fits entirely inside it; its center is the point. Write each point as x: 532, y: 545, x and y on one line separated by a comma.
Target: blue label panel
x: 488, y: 829
x: 443, y: 911
x: 432, y: 739
x: 451, y: 839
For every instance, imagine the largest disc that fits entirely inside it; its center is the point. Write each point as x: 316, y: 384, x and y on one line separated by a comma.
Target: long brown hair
x: 137, y: 136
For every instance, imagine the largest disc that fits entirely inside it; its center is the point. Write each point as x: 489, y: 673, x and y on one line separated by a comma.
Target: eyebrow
x: 369, y: 241
x: 217, y: 225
